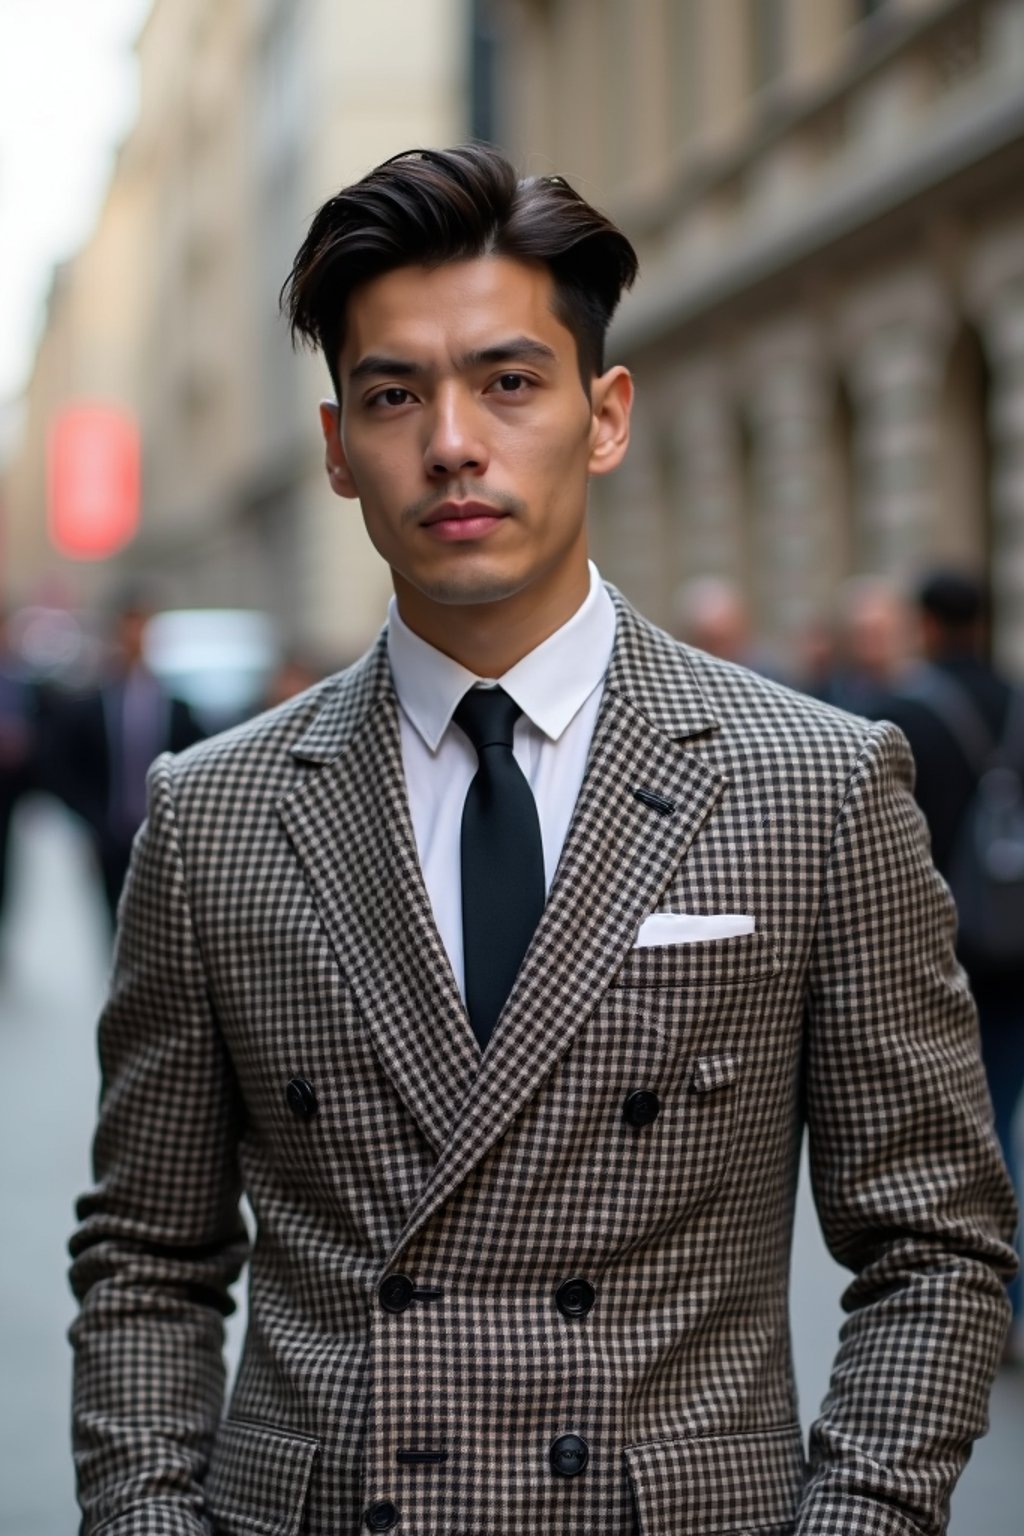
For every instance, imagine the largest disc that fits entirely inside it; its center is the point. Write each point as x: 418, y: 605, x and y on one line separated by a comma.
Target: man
x: 873, y: 645
x: 522, y: 1220
x: 106, y: 740
x: 955, y: 712
x: 18, y: 724
x: 711, y: 614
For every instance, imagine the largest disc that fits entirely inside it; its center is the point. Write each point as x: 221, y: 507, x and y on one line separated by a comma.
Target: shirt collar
x: 550, y: 684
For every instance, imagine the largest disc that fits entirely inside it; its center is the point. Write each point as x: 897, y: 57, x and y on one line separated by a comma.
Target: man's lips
x: 461, y: 511
x: 460, y: 520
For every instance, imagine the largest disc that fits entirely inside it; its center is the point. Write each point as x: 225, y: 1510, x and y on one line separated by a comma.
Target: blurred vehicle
x: 219, y: 660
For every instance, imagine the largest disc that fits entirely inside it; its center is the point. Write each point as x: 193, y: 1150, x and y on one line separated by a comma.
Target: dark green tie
x: 502, y: 859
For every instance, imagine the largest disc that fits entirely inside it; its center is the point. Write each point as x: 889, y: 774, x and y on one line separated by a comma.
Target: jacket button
x: 301, y: 1099
x: 382, y: 1516
x: 569, y: 1455
x: 396, y: 1293
x: 574, y: 1298
x: 641, y: 1108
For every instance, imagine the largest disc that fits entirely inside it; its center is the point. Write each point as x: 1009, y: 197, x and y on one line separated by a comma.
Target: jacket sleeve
x: 907, y: 1176
x: 161, y: 1237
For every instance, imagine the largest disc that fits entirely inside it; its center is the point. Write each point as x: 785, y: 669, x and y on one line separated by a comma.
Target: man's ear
x: 611, y: 400
x: 338, y: 473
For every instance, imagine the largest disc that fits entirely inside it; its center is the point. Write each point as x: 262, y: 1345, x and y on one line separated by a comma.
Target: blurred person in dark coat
x: 296, y: 671
x: 870, y: 649
x: 105, y: 741
x: 17, y: 746
x: 952, y: 629
x: 712, y: 614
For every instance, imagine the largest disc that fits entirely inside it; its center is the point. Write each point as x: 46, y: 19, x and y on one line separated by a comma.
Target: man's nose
x: 456, y: 442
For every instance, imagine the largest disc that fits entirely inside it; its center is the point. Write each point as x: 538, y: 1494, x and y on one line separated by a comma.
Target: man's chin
x: 468, y: 589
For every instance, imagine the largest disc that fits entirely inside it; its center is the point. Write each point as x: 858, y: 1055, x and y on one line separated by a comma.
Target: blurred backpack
x: 986, y: 870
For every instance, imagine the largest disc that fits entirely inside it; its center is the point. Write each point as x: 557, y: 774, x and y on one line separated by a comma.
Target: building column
x: 705, y: 494
x: 799, y: 534
x: 995, y: 292
x: 896, y: 337
x: 627, y: 522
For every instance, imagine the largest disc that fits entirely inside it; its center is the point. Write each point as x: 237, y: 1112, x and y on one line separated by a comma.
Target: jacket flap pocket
x: 716, y: 963
x: 258, y: 1479
x: 718, y: 1484
x: 711, y: 1072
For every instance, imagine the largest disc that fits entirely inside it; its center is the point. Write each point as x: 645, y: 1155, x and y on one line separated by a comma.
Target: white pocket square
x: 685, y: 928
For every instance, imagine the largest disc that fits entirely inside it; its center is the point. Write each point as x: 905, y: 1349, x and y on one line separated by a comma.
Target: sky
x: 67, y: 98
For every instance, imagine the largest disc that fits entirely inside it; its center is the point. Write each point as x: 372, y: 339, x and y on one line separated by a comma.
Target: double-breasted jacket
x: 542, y: 1290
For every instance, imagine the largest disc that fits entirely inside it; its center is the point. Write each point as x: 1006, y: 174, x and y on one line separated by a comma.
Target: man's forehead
x: 460, y: 306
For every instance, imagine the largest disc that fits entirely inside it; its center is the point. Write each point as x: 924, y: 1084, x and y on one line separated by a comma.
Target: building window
x: 483, y: 66
x: 682, y: 58
x: 767, y: 28
x: 619, y: 23
x: 283, y: 89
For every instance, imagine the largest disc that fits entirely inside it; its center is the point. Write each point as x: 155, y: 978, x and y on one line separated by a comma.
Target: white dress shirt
x: 558, y: 687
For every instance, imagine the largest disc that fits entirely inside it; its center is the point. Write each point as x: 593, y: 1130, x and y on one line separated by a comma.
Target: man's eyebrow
x: 518, y: 349
x: 375, y: 364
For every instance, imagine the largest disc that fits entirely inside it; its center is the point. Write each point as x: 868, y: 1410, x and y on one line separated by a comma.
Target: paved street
x: 52, y: 970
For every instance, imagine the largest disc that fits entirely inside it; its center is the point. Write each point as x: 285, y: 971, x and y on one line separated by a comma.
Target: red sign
x: 94, y: 481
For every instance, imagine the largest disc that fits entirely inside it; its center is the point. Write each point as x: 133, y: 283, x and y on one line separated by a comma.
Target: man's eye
x: 393, y: 396
x: 512, y: 383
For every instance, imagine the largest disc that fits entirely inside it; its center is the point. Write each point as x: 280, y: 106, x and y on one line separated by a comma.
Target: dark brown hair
x: 429, y: 206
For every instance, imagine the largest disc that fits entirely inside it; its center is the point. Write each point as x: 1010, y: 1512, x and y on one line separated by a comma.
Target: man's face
x: 131, y: 630
x: 466, y: 432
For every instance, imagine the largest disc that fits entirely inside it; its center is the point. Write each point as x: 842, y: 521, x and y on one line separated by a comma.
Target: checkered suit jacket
x: 276, y: 931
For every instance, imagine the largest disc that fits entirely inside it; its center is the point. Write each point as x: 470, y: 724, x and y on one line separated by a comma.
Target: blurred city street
x: 52, y: 977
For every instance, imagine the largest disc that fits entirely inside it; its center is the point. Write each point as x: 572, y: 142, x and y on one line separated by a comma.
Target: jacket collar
x: 648, y: 670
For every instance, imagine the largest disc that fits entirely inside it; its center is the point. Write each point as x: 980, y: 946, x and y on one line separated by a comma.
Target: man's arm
x: 161, y: 1238
x: 908, y: 1180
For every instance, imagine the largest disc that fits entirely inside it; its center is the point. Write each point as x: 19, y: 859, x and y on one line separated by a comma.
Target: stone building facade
x: 251, y: 112
x: 828, y: 336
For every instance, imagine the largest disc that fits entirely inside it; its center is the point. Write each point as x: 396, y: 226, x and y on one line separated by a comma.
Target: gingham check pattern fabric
x: 276, y: 927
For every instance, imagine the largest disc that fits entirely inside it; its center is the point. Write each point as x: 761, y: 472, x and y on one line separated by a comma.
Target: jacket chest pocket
x: 258, y: 1480
x: 716, y: 965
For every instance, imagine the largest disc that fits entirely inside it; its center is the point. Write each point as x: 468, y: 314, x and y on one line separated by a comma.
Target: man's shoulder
x: 742, y: 704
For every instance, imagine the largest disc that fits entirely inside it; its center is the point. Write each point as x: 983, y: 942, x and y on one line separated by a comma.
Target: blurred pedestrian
x: 712, y: 613
x: 870, y: 650
x: 956, y: 711
x: 105, y: 739
x: 296, y: 671
x: 18, y: 739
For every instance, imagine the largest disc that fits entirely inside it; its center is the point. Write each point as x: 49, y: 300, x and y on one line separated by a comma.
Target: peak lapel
x: 349, y: 824
x: 619, y: 855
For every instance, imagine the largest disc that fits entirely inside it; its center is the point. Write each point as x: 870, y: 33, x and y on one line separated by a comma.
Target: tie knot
x: 488, y: 717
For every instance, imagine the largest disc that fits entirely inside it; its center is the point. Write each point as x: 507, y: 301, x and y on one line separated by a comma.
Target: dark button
x: 382, y: 1516
x: 574, y: 1298
x: 641, y: 1108
x: 396, y: 1293
x: 301, y: 1099
x: 569, y: 1455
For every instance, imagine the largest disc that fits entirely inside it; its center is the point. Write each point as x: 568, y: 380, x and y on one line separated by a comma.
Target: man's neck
x: 489, y: 638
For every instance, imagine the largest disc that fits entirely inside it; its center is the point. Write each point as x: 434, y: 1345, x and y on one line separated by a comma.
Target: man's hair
x: 426, y: 207
x: 953, y: 599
